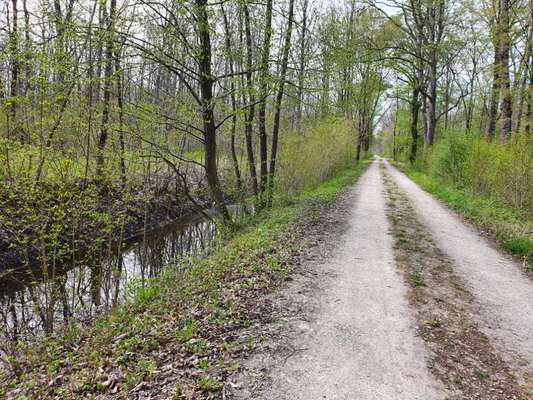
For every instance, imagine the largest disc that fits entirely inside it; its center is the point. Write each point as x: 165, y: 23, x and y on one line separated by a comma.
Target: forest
x: 154, y: 152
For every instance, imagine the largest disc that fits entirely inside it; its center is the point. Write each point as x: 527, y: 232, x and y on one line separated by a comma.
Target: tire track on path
x: 361, y: 342
x: 502, y: 293
x: 462, y: 356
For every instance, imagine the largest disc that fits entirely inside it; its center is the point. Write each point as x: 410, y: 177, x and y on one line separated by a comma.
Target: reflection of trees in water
x: 29, y: 307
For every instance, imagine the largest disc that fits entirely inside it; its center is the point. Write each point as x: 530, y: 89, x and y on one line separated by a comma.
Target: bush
x: 312, y: 157
x: 449, y: 159
x: 499, y: 171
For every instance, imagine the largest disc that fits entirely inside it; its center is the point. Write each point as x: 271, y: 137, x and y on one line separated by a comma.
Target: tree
x: 279, y: 98
x: 263, y: 97
x: 505, y: 46
x: 206, y: 81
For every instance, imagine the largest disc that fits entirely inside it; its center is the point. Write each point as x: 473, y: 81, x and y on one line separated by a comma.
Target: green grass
x: 328, y: 191
x: 511, y: 227
x: 190, y: 313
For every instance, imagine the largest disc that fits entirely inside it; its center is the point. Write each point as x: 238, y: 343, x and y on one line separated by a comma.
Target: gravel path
x: 504, y: 293
x: 354, y: 325
x: 362, y: 342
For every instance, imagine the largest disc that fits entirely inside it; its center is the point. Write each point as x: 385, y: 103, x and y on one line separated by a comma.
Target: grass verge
x: 180, y: 336
x: 512, y: 228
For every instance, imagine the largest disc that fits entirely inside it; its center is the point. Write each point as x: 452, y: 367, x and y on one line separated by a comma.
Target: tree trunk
x: 415, y: 108
x: 447, y: 99
x: 27, y: 49
x: 301, y: 71
x: 279, y: 98
x: 470, y: 107
x: 529, y: 90
x: 424, y: 114
x: 208, y: 116
x: 431, y: 101
x: 234, y: 159
x: 395, y: 126
x: 506, y: 104
x: 90, y: 93
x: 250, y: 115
x: 496, y: 84
x: 120, y: 100
x: 527, y: 64
x: 359, y: 140
x: 15, y: 72
x: 108, y: 76
x: 522, y: 91
x: 529, y: 114
x: 263, y: 93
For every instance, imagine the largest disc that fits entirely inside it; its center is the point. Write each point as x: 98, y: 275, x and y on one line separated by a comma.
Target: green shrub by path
x: 314, y: 156
x: 512, y: 227
x: 493, y: 170
x: 187, y: 318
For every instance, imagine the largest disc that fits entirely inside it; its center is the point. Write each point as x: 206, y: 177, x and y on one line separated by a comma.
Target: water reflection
x: 35, y: 302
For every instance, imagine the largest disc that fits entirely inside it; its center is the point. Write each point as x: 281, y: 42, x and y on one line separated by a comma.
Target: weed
x: 416, y: 278
x: 435, y: 323
x: 146, y: 368
x: 203, y: 364
x: 188, y: 331
x: 482, y: 375
x: 209, y: 384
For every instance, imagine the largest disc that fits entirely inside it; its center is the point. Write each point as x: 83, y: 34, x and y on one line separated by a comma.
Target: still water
x: 31, y: 304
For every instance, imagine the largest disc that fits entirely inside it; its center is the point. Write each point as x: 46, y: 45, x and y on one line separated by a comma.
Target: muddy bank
x: 73, y: 257
x: 33, y: 303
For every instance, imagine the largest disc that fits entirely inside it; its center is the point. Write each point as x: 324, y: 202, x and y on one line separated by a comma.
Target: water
x: 31, y: 303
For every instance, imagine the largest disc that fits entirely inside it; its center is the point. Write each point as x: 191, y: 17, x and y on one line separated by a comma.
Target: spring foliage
x: 310, y: 158
x: 499, y: 171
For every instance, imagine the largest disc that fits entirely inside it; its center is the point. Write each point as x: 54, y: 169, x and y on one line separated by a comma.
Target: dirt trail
x: 361, y: 342
x: 400, y: 300
x: 504, y: 295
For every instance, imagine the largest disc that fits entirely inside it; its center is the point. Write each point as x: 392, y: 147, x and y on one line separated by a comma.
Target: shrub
x: 310, y: 158
x: 499, y: 171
